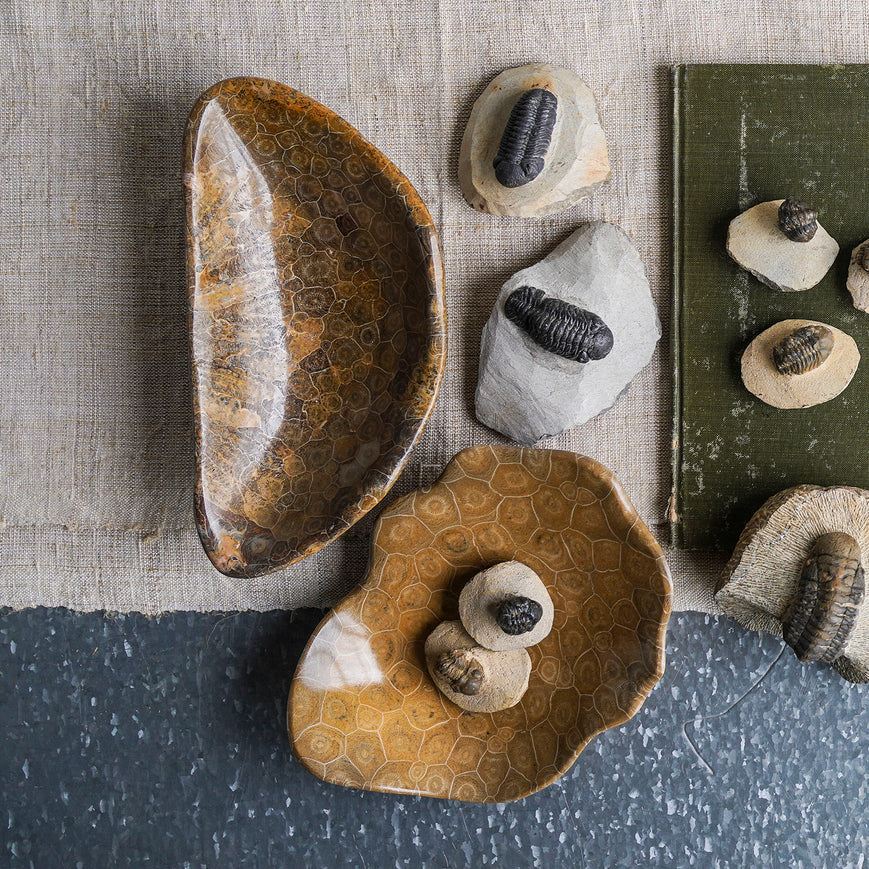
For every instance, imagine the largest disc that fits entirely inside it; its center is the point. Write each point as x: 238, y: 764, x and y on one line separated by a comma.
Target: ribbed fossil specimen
x: 803, y: 350
x: 558, y: 326
x: 798, y: 221
x: 821, y: 617
x: 526, y: 138
x: 518, y: 615
x: 461, y: 671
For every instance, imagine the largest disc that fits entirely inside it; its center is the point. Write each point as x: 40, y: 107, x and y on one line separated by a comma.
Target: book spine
x: 675, y: 504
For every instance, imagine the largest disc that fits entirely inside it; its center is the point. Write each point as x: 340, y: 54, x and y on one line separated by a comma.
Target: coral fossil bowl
x: 317, y: 322
x: 364, y: 712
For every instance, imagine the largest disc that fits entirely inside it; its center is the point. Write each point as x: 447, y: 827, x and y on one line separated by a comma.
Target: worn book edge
x: 675, y: 505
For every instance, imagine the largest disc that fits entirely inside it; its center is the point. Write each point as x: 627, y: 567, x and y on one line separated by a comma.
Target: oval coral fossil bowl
x: 363, y: 710
x: 317, y: 322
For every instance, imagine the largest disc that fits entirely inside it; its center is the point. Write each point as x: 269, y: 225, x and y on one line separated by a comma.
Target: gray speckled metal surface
x: 131, y: 741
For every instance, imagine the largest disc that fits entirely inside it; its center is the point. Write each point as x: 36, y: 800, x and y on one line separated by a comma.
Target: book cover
x: 745, y: 134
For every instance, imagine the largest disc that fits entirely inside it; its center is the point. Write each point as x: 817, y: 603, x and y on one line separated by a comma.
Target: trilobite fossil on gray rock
x: 559, y: 327
x: 595, y: 298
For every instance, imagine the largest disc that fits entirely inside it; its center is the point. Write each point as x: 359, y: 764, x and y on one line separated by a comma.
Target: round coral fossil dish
x: 316, y: 319
x: 365, y: 710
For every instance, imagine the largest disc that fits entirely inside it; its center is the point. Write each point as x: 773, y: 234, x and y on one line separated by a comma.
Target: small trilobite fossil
x: 863, y: 257
x: 518, y: 615
x: 803, y: 350
x: 460, y: 670
x: 821, y: 617
x: 798, y: 221
x: 558, y: 326
x: 526, y: 138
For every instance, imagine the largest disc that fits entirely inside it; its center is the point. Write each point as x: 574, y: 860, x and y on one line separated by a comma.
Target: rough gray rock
x: 528, y: 393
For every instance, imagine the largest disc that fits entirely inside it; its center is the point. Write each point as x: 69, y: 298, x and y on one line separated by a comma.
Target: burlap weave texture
x: 94, y: 395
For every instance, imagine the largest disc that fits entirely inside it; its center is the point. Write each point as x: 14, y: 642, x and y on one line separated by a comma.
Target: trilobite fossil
x: 803, y: 350
x: 821, y: 617
x: 559, y: 327
x: 460, y: 670
x: 526, y: 138
x: 798, y: 221
x: 863, y: 257
x: 517, y: 615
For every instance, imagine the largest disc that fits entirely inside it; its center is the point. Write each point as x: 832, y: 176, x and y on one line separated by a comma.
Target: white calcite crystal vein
x: 528, y: 393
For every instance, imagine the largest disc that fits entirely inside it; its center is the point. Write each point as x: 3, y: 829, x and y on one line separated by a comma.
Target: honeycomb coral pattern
x: 317, y: 322
x: 363, y: 711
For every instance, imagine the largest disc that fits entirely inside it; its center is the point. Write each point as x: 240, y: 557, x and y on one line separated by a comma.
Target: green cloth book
x: 742, y: 135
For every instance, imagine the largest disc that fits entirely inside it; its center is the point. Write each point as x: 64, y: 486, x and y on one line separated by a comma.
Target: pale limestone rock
x: 784, y: 391
x: 505, y: 674
x: 858, y: 277
x: 479, y: 600
x: 576, y: 162
x: 756, y: 243
x: 528, y: 393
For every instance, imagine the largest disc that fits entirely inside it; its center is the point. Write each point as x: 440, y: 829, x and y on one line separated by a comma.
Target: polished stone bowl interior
x: 317, y: 322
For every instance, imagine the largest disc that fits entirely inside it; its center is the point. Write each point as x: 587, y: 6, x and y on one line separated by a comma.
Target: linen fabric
x: 97, y: 456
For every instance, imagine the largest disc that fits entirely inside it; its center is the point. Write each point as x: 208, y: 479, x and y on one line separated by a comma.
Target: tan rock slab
x: 763, y: 574
x: 788, y: 392
x: 505, y: 673
x: 858, y: 278
x: 479, y: 600
x: 576, y: 162
x: 756, y: 243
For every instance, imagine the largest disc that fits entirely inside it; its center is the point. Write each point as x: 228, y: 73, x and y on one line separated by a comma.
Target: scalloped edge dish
x: 363, y: 711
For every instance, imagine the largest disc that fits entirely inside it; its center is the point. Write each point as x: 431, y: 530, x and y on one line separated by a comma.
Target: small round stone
x: 499, y: 607
x: 503, y: 678
x: 786, y: 391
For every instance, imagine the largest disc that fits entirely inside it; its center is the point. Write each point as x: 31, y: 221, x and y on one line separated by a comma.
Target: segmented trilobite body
x: 518, y: 615
x: 559, y: 327
x: 798, y: 221
x: 819, y: 622
x: 460, y: 670
x: 803, y: 350
x: 526, y: 138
